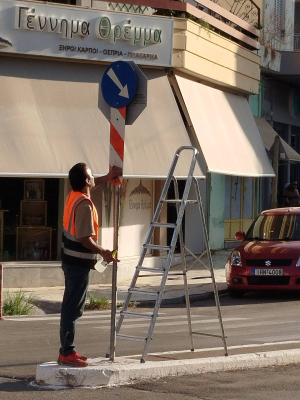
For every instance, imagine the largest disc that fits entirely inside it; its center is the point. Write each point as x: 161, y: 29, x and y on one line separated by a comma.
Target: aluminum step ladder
x: 164, y: 272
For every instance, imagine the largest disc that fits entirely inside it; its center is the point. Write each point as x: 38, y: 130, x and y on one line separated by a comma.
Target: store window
x: 283, y: 174
x: 293, y: 141
x: 29, y: 219
x: 295, y: 144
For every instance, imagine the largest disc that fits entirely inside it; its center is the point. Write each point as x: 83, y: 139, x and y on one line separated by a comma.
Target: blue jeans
x: 76, y: 287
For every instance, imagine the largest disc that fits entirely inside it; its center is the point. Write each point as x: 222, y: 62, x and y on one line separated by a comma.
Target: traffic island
x: 124, y: 371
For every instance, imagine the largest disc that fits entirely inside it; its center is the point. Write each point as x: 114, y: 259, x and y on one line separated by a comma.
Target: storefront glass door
x: 238, y: 205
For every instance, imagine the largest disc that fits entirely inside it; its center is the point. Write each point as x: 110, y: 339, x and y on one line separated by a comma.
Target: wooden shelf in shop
x: 33, y: 236
x: 34, y: 243
x: 33, y: 213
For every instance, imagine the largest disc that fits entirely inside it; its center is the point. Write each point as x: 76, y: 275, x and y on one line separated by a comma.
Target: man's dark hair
x: 77, y: 176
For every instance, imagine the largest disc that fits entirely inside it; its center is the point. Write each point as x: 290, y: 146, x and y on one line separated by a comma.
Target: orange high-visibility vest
x: 73, y: 252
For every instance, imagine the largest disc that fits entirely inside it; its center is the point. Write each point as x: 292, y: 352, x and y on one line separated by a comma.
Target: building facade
x: 277, y: 101
x: 53, y: 115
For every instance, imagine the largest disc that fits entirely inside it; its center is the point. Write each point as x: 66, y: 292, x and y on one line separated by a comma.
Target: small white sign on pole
x: 139, y: 101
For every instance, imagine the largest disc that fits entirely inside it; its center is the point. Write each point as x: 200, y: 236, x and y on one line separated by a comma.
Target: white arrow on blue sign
x: 119, y: 83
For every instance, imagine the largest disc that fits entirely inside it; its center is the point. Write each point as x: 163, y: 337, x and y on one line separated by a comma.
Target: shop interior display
x: 33, y: 236
x: 3, y: 256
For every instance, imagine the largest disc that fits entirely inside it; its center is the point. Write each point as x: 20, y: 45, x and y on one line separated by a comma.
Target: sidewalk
x: 49, y: 299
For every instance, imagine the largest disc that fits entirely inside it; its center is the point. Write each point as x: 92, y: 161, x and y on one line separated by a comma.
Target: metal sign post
x: 118, y: 85
x: 112, y: 349
x: 116, y: 157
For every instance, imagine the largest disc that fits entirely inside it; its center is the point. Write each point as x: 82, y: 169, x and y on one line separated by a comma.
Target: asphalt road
x: 258, y: 322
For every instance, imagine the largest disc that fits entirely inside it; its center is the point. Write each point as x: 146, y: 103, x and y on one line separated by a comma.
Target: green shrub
x: 16, y: 303
x: 102, y: 303
x: 97, y: 303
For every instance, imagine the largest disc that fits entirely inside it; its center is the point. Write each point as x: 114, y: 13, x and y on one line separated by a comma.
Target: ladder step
x: 202, y: 277
x: 149, y: 269
x: 137, y: 291
x: 174, y: 279
x: 127, y: 337
x: 206, y: 334
x: 136, y: 315
x: 177, y: 273
x: 163, y: 225
x: 156, y: 247
x: 179, y: 201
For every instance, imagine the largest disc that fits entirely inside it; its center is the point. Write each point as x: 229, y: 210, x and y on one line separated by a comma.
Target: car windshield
x: 275, y: 227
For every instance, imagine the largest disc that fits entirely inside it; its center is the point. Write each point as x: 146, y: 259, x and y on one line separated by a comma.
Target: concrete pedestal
x: 101, y: 372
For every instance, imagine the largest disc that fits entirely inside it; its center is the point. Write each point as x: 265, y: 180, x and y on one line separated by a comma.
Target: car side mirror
x: 240, y: 235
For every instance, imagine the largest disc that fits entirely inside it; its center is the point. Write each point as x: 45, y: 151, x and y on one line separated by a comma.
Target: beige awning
x: 268, y: 135
x: 226, y: 131
x: 52, y: 115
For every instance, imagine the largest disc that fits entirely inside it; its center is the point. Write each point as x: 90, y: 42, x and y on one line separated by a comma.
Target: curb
x: 124, y: 371
x: 49, y: 306
x: 53, y: 307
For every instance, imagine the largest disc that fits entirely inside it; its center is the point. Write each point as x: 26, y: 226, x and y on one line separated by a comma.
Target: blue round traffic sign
x: 118, y: 84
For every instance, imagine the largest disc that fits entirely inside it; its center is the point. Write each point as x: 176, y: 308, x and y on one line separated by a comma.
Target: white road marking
x: 288, y: 342
x: 164, y: 324
x: 49, y: 317
x: 275, y: 338
x: 126, y: 320
x: 101, y: 317
x: 56, y: 317
x: 237, y: 328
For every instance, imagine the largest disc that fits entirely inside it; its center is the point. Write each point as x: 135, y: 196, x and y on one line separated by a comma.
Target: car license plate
x: 267, y: 272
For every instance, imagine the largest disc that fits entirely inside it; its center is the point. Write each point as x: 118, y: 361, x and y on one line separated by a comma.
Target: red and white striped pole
x: 116, y: 158
x: 1, y: 292
x: 117, y: 137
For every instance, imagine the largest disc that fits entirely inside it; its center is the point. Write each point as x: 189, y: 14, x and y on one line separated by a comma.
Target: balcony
x: 210, y: 43
x: 207, y: 13
x: 281, y: 42
x: 296, y: 42
x: 288, y: 49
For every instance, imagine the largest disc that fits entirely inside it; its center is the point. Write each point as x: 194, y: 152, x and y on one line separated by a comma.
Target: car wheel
x: 236, y: 294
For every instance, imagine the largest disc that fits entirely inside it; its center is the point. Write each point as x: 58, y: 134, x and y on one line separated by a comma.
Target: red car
x: 268, y: 257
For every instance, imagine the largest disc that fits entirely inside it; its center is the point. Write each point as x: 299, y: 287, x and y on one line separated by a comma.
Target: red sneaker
x: 72, y: 359
x: 79, y: 356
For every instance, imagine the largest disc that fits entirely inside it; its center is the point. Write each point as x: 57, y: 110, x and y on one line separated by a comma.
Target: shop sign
x: 69, y: 32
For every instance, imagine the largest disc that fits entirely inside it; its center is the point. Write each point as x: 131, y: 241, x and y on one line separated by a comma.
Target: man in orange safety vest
x: 80, y: 252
